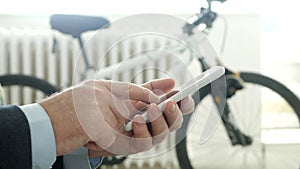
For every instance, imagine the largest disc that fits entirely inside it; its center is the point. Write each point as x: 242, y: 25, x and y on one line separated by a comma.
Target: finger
x: 135, y: 106
x: 187, y: 105
x: 140, y: 129
x: 142, y: 138
x: 160, y: 86
x: 141, y: 106
x: 159, y: 125
x: 130, y: 91
x: 173, y: 115
x: 168, y: 95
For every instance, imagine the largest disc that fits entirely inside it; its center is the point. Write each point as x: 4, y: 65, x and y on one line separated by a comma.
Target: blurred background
x: 261, y: 36
x: 275, y: 26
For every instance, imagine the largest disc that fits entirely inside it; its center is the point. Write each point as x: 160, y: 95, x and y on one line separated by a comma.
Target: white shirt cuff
x: 42, y: 136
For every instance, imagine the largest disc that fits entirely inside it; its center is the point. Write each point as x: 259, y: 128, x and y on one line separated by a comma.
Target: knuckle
x: 146, y: 94
x: 130, y: 86
x: 160, y: 128
x: 91, y: 82
x: 94, y: 84
x: 177, y: 123
x: 98, y: 92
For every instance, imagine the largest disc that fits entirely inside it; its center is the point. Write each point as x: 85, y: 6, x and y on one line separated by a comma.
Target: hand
x: 141, y: 138
x: 89, y: 112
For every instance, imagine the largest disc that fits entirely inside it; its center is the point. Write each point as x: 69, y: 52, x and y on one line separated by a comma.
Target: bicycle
x: 237, y: 83
x: 236, y: 136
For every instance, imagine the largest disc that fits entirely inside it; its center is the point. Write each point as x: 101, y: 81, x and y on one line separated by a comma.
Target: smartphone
x: 188, y: 88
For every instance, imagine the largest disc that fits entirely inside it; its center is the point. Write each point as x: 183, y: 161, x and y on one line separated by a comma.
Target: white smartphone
x: 188, y: 88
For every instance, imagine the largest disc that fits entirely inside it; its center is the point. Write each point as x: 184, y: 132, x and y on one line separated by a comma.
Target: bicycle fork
x: 233, y: 84
x: 233, y: 131
x: 237, y: 137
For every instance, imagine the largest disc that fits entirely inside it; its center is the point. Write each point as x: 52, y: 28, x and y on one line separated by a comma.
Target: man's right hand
x: 93, y: 111
x: 142, y: 138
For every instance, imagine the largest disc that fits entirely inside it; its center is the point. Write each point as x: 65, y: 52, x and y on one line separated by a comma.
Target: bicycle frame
x: 107, y: 72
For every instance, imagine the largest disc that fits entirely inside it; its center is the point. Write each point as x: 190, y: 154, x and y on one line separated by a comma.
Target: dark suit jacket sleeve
x: 15, y: 142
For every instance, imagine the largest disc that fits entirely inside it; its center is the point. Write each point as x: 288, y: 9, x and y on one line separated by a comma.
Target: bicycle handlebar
x: 206, y: 16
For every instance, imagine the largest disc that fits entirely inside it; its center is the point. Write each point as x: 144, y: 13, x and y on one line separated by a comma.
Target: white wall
x: 242, y: 49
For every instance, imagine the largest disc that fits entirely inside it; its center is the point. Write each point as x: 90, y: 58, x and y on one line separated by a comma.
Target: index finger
x: 160, y: 86
x: 131, y: 91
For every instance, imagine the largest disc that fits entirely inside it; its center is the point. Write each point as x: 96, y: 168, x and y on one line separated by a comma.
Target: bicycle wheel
x: 25, y: 82
x: 217, y: 151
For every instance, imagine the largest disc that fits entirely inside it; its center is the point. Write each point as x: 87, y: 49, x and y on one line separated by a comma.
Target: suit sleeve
x: 15, y: 144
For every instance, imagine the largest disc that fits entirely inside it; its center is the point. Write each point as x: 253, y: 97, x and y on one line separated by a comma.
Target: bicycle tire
x: 248, y: 77
x: 276, y: 86
x: 29, y: 81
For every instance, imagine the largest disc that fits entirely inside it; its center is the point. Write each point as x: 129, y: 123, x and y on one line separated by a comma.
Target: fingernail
x: 173, y: 108
x: 138, y: 119
x: 188, y: 99
x: 185, y: 101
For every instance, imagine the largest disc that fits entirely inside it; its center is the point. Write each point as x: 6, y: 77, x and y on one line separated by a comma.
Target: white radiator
x: 28, y: 51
